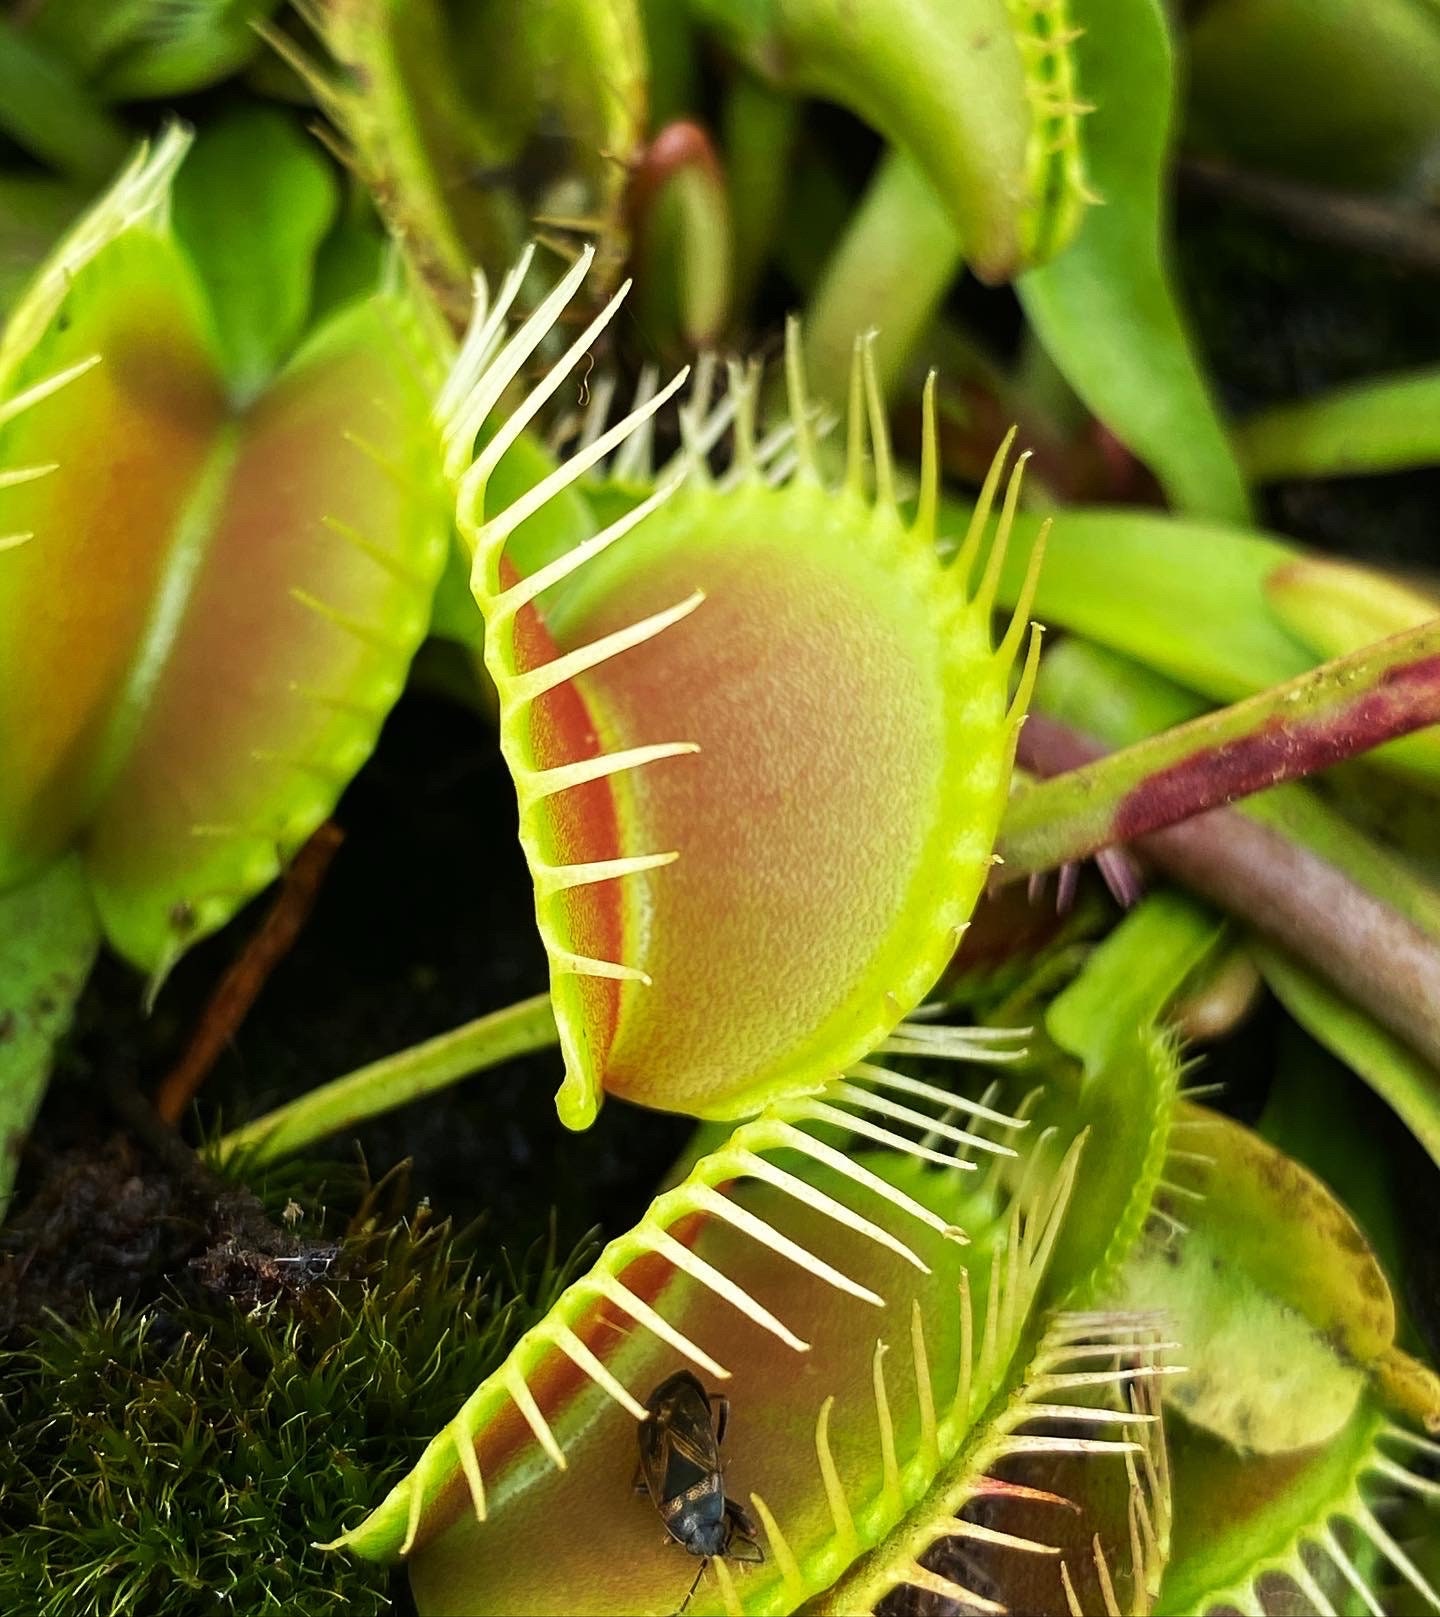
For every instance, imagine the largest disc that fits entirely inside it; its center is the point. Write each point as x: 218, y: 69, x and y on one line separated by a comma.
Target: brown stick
x: 247, y: 974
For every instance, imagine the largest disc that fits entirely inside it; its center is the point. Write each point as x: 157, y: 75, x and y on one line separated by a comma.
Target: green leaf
x: 393, y: 1081
x: 251, y: 205
x: 899, y: 253
x: 176, y: 49
x: 1373, y: 426
x: 48, y: 938
x: 48, y: 110
x: 1106, y: 308
x: 1333, y: 92
x: 1203, y: 617
x: 759, y: 126
x: 1404, y: 1079
x: 1110, y: 1020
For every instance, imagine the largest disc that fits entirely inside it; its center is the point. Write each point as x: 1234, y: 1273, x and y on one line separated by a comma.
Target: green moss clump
x: 181, y: 1459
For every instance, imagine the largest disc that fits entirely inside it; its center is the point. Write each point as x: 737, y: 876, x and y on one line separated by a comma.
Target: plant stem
x: 1381, y: 960
x: 395, y: 1080
x: 899, y: 253
x: 759, y: 126
x: 1332, y: 713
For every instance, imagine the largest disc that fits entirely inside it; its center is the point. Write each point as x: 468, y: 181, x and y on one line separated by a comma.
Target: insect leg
x: 700, y: 1573
x: 742, y: 1543
x: 720, y: 1412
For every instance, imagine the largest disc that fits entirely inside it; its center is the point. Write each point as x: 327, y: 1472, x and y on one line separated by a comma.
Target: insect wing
x: 681, y: 1428
x: 654, y: 1455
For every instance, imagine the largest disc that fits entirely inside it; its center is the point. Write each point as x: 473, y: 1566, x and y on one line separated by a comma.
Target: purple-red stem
x: 1375, y: 956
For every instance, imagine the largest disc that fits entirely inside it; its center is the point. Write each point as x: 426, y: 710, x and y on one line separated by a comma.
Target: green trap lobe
x: 308, y: 594
x: 132, y: 438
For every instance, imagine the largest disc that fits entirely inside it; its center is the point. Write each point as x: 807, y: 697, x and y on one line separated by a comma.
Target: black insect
x: 681, y: 1470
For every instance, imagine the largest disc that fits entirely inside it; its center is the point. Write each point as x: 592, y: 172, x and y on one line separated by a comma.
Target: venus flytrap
x: 981, y: 95
x: 864, y: 1272
x: 1292, y: 1443
x: 1070, y: 1520
x: 230, y: 551
x: 1310, y: 1529
x: 778, y: 1250
x: 474, y: 127
x: 736, y: 620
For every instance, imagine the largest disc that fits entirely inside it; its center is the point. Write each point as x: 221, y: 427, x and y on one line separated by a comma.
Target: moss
x: 182, y: 1456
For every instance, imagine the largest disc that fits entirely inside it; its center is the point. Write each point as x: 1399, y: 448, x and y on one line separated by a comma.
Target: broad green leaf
x: 48, y: 938
x: 1335, y: 606
x: 46, y: 107
x: 899, y: 254
x: 1224, y: 611
x: 1106, y: 308
x: 251, y: 204
x: 1373, y: 426
x: 759, y: 125
x: 1203, y: 617
x: 129, y: 50
x: 177, y: 49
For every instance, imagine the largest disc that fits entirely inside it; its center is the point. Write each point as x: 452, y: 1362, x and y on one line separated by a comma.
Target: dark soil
x: 425, y: 921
